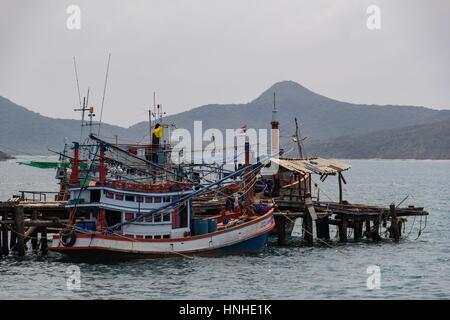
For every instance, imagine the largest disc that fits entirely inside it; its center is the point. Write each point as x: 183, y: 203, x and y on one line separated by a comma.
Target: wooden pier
x: 363, y: 220
x: 25, y: 222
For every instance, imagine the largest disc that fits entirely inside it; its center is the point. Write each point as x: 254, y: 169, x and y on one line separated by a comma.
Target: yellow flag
x: 158, y: 132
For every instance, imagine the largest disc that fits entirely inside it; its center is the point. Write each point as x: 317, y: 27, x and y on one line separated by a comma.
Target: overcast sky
x: 198, y: 52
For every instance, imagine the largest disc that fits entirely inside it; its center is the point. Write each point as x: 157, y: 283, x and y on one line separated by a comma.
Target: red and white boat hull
x: 245, y: 237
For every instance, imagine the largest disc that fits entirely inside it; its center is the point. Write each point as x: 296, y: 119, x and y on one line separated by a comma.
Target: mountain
x: 27, y: 132
x: 321, y: 119
x: 427, y: 141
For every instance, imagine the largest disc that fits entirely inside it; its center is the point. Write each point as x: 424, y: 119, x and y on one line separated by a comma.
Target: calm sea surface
x: 414, y: 268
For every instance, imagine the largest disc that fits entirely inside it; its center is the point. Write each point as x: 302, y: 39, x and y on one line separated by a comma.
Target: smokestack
x: 275, y: 143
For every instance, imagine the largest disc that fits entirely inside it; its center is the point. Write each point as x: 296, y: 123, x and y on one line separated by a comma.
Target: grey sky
x: 207, y: 51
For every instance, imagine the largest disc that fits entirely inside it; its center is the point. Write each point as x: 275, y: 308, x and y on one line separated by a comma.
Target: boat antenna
x: 83, y: 109
x: 76, y: 78
x: 104, y: 92
x: 87, y: 99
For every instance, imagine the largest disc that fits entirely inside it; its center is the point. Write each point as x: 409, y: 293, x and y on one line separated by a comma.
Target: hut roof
x: 312, y: 165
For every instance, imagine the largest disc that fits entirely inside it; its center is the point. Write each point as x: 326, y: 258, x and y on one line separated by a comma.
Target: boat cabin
x: 107, y: 206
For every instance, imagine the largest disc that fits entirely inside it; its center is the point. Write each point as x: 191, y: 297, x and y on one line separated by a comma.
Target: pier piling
x: 4, y: 231
x: 357, y: 229
x: 34, y: 234
x: 394, y: 229
x: 308, y: 227
x: 43, y: 238
x: 323, y: 228
x: 343, y: 228
x: 280, y: 223
x: 12, y: 239
x: 374, y: 232
x: 20, y: 230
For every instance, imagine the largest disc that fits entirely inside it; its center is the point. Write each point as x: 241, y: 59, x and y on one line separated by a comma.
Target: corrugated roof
x: 312, y: 165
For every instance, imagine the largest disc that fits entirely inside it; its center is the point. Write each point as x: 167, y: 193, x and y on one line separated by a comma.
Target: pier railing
x: 35, y: 195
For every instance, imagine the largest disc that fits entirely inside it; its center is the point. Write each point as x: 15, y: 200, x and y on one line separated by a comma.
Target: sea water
x: 414, y: 268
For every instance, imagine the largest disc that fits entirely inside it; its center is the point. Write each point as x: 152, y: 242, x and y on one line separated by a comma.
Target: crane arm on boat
x: 190, y: 195
x: 109, y: 145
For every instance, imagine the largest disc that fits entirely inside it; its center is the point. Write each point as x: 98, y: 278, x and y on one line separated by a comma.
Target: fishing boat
x: 129, y: 206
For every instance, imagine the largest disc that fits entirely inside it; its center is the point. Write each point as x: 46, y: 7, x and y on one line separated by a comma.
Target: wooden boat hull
x: 247, y: 237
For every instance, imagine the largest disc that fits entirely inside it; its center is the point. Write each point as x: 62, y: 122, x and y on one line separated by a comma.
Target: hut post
x: 340, y: 187
x: 19, y: 217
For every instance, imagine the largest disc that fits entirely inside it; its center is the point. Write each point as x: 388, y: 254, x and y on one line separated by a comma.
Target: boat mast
x: 297, y: 138
x: 104, y: 92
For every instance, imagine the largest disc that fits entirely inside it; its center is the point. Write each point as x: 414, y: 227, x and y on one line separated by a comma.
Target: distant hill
x: 25, y: 131
x: 4, y: 156
x: 321, y: 119
x: 427, y: 141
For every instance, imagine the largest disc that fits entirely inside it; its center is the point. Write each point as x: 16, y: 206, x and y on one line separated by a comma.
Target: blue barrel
x: 200, y: 227
x: 212, y: 225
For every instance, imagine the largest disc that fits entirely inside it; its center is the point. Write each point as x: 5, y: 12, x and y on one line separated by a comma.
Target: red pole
x: 74, y: 174
x: 102, y: 169
x: 101, y: 222
x: 248, y: 181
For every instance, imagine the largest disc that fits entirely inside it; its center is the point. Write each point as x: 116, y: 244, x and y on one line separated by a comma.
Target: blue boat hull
x: 251, y: 245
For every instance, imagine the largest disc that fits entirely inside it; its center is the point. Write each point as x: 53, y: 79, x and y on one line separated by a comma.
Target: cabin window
x: 148, y: 237
x: 157, y: 218
x: 129, y: 216
x: 129, y: 198
x: 148, y: 218
x: 166, y: 236
x: 139, y: 236
x: 139, y: 199
x: 113, y: 217
x: 139, y: 217
x: 119, y: 196
x: 167, y: 199
x: 95, y: 195
x: 157, y: 237
x: 129, y: 236
x: 166, y: 216
x: 148, y: 199
x: 157, y: 199
x: 109, y: 195
x: 184, y: 217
